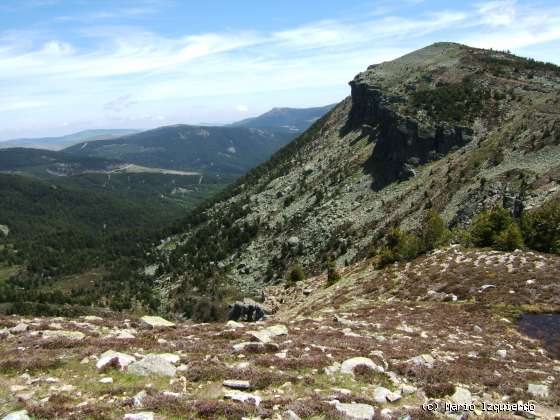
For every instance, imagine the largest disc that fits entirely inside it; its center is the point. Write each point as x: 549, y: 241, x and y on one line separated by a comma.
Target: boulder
x: 144, y: 415
x: 70, y: 335
x: 110, y: 357
x: 156, y: 322
x: 462, y: 396
x: 107, y: 380
x: 290, y: 415
x: 538, y: 390
x: 267, y: 334
x: 19, y: 328
x: 425, y: 360
x: 139, y: 398
x: 152, y: 365
x: 234, y: 324
x: 355, y: 411
x: 242, y: 397
x: 17, y: 415
x: 170, y: 357
x: 91, y: 318
x: 236, y: 384
x: 348, y: 366
x: 5, y: 333
x: 245, y: 311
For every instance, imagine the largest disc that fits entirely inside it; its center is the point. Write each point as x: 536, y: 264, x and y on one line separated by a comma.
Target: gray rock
x: 423, y: 360
x: 236, y: 384
x: 121, y: 360
x: 17, y: 415
x: 156, y: 322
x: 461, y: 396
x: 19, y: 328
x: 348, y: 366
x: 267, y: 334
x: 138, y: 399
x: 502, y: 353
x: 290, y: 415
x: 144, y: 415
x: 152, y: 365
x: 293, y: 241
x: 538, y: 390
x: 242, y: 397
x: 355, y: 411
x: 70, y: 335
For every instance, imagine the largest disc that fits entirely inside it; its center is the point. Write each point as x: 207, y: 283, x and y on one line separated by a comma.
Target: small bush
x: 296, y: 274
x: 333, y: 275
x: 439, y: 390
x: 434, y: 231
x: 541, y: 228
x: 488, y: 225
x: 509, y: 239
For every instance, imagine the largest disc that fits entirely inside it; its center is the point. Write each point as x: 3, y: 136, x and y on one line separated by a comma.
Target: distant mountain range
x: 290, y: 119
x: 58, y: 143
x: 232, y: 149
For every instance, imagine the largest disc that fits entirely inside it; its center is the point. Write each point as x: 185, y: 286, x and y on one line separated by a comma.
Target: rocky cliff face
x: 447, y: 127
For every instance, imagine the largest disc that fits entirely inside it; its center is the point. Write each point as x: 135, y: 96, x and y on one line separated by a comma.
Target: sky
x: 70, y: 65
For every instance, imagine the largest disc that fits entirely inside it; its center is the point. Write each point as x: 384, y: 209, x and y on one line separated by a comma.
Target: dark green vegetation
x: 57, y: 231
x: 453, y: 102
x: 538, y: 229
x: 220, y: 150
x: 57, y: 143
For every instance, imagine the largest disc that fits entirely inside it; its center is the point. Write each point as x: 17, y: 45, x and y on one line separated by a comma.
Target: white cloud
x: 128, y: 73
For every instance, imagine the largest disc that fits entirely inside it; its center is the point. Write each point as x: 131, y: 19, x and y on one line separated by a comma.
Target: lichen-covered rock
x: 114, y: 358
x: 152, y: 365
x: 70, y: 335
x: 348, y: 365
x: 156, y: 322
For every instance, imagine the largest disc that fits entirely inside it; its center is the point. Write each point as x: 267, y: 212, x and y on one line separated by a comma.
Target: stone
x: 17, y: 415
x: 236, y: 384
x: 5, y: 333
x: 355, y: 411
x: 242, y: 397
x: 234, y: 324
x: 502, y: 353
x: 348, y: 365
x: 267, y: 334
x: 19, y: 328
x: 152, y: 365
x: 156, y: 322
x: 290, y: 415
x: 538, y: 390
x: 461, y: 396
x: 423, y: 360
x: 138, y: 399
x: 408, y: 389
x: 70, y: 335
x: 92, y: 318
x: 107, y: 380
x: 144, y: 415
x: 122, y: 360
x: 170, y: 357
x: 240, y: 347
x: 382, y: 395
x: 125, y: 335
x: 248, y: 311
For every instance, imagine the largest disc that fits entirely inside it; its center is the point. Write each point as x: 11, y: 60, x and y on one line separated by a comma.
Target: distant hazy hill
x: 289, y: 119
x: 57, y: 143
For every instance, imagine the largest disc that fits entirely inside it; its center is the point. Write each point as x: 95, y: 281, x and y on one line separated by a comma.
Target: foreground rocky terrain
x: 377, y: 344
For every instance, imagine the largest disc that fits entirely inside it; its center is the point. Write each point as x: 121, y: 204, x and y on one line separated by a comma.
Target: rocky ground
x: 378, y: 344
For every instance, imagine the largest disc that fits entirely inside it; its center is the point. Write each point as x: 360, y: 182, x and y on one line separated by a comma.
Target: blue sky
x: 68, y: 65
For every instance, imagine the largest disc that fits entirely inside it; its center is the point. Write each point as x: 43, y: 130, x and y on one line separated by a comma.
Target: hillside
x: 230, y: 150
x: 58, y: 143
x: 368, y: 347
x: 289, y: 119
x: 448, y: 128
